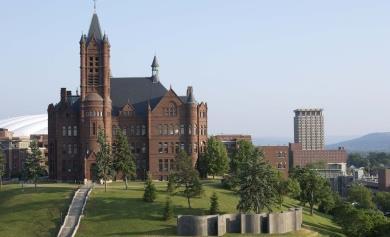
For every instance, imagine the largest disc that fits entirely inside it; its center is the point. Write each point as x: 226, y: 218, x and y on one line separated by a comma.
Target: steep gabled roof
x: 139, y: 90
x: 94, y: 29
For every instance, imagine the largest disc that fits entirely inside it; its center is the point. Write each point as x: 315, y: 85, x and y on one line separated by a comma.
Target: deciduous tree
x: 361, y: 196
x: 104, y: 162
x: 216, y: 157
x: 313, y: 186
x: 382, y: 199
x: 186, y: 177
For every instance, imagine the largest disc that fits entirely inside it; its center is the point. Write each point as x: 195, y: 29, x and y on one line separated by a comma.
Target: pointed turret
x: 155, y: 67
x: 155, y: 62
x: 83, y: 39
x: 94, y: 29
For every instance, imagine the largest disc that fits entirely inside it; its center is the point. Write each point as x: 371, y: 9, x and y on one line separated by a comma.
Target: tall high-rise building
x: 309, y: 128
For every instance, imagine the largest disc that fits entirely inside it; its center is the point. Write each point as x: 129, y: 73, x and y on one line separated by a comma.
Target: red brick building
x: 277, y: 157
x: 384, y: 179
x: 301, y: 158
x: 231, y: 140
x: 157, y: 121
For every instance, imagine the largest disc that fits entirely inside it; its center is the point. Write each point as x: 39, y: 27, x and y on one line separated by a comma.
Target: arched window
x: 195, y: 129
x: 189, y: 129
x: 172, y: 109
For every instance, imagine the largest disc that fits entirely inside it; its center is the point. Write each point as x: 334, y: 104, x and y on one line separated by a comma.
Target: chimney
x: 69, y: 93
x: 189, y: 91
x: 63, y: 94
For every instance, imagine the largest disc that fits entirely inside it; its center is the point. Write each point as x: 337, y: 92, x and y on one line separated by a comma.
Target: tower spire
x: 94, y: 6
x: 155, y: 67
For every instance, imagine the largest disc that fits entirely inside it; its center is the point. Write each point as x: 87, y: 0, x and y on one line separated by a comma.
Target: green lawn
x: 24, y: 212
x: 122, y: 212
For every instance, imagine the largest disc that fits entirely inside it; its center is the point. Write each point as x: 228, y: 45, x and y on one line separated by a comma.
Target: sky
x: 252, y: 61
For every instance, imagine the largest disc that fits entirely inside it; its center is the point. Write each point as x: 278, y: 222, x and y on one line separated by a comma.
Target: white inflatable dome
x: 24, y: 126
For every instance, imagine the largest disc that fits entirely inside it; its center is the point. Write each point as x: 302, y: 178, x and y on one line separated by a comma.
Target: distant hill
x: 376, y: 142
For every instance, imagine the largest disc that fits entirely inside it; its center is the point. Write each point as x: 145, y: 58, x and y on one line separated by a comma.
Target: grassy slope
x: 29, y: 213
x: 122, y: 213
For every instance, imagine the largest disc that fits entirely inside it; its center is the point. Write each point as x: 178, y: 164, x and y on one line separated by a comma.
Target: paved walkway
x: 75, y: 212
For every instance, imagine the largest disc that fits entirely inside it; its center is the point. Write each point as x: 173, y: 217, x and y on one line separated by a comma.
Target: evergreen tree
x: 168, y: 209
x: 104, y: 162
x: 185, y: 176
x: 257, y: 184
x: 124, y: 160
x: 214, y: 206
x: 215, y: 157
x: 150, y: 193
x: 2, y: 168
x: 293, y: 188
x: 33, y: 164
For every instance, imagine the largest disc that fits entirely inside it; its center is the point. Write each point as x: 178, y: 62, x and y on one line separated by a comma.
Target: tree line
x: 371, y: 161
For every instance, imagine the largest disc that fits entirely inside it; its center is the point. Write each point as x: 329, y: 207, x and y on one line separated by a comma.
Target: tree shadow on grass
x: 167, y: 230
x: 53, y: 209
x: 324, y: 229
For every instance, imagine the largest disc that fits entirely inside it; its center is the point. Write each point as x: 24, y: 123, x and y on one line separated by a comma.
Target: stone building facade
x: 158, y: 122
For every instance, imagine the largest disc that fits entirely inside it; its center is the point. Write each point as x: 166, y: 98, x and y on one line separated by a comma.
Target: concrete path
x: 72, y: 219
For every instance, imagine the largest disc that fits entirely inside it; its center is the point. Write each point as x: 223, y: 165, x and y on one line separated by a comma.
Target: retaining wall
x: 218, y: 225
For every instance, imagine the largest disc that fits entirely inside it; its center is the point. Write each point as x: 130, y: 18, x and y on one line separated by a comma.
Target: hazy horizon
x: 253, y: 62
